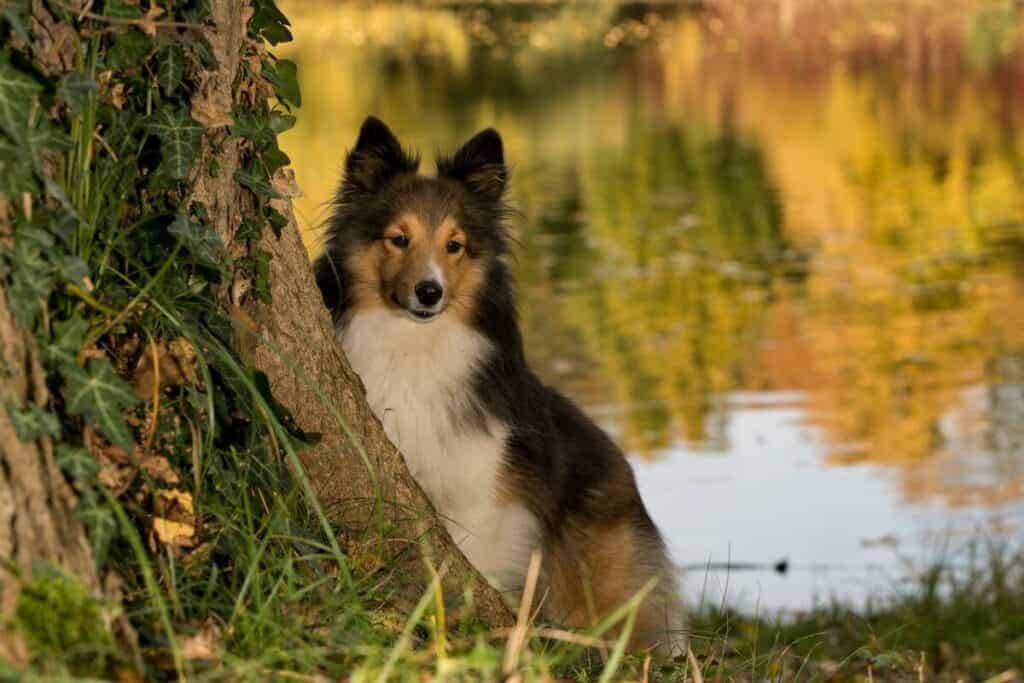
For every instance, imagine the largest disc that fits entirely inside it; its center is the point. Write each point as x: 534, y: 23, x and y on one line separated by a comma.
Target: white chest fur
x: 417, y: 378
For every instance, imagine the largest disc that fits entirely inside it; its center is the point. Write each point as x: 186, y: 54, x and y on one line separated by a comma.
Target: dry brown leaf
x: 204, y: 645
x: 158, y: 467
x: 175, y: 504
x: 176, y: 363
x: 174, y: 533
x: 116, y: 477
x: 117, y: 96
x: 284, y: 182
x: 185, y: 354
x: 148, y: 23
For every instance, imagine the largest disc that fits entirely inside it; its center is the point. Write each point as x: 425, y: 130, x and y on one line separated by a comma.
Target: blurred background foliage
x: 777, y: 196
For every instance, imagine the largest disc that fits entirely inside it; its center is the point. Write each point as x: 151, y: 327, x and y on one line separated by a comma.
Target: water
x: 776, y: 249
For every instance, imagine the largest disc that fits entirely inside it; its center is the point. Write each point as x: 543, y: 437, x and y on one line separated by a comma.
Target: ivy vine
x: 117, y: 274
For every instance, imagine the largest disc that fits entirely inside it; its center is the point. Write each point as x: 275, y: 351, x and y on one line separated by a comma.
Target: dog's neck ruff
x: 419, y: 382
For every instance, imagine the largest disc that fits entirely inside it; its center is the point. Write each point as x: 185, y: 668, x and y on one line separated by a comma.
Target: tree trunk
x: 361, y: 479
x: 359, y: 476
x: 37, y: 506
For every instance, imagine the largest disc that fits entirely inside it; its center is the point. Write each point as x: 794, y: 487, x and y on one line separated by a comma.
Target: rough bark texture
x: 390, y: 521
x: 37, y: 506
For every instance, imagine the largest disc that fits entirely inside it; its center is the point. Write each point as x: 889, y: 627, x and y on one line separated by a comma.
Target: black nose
x: 429, y: 292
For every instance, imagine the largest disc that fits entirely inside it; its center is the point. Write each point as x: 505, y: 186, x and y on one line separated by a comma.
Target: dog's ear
x: 479, y: 164
x: 377, y: 158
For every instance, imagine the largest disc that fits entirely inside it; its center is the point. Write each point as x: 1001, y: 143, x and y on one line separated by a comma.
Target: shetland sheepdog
x: 414, y: 274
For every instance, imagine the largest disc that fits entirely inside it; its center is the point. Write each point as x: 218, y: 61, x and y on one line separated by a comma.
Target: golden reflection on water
x: 758, y: 197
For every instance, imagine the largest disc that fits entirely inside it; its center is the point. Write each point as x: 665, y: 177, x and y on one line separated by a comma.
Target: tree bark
x: 360, y: 477
x: 37, y: 506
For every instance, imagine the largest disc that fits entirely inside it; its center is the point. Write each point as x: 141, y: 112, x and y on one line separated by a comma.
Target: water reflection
x: 770, y: 197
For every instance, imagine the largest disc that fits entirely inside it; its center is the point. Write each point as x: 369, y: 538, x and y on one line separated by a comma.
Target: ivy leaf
x: 77, y: 463
x: 276, y: 219
x: 72, y: 268
x: 170, y: 68
x: 69, y: 335
x: 179, y: 141
x: 101, y: 397
x: 251, y: 126
x: 121, y: 9
x: 129, y: 49
x: 285, y: 79
x: 31, y: 275
x: 75, y: 89
x: 257, y: 183
x: 100, y: 523
x: 32, y: 422
x: 202, y: 242
x: 280, y: 122
x: 249, y: 230
x: 18, y: 15
x: 269, y: 23
x: 17, y: 91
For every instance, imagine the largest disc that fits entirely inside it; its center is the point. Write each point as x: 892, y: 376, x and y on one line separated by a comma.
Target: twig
x: 151, y: 432
x: 123, y: 21
x: 698, y: 676
x: 518, y: 637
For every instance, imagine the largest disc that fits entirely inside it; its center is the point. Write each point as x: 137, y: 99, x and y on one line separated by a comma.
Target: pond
x: 776, y: 249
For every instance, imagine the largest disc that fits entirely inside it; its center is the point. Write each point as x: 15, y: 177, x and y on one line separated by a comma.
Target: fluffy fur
x: 512, y: 465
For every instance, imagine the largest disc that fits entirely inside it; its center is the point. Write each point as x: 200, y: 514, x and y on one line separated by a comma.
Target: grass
x: 244, y: 577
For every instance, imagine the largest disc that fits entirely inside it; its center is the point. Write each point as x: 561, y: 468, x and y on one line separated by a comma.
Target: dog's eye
x: 454, y: 247
x: 400, y: 241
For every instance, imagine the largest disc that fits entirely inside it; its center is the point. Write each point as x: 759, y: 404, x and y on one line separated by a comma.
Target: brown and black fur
x: 599, y: 545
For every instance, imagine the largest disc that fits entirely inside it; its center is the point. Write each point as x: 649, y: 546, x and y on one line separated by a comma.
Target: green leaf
x: 269, y: 23
x: 261, y: 275
x: 121, y: 9
x: 280, y: 122
x: 101, y: 397
x: 170, y: 68
x: 276, y: 219
x: 72, y: 268
x: 32, y: 277
x: 257, y: 183
x: 273, y: 158
x: 75, y: 89
x: 17, y: 92
x: 252, y: 126
x: 32, y: 422
x: 100, y: 523
x: 179, y: 141
x: 129, y: 49
x: 201, y: 241
x: 77, y: 463
x: 249, y: 230
x: 284, y: 77
x: 18, y: 14
x: 69, y: 335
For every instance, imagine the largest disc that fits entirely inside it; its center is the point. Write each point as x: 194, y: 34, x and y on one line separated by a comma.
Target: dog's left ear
x: 479, y: 164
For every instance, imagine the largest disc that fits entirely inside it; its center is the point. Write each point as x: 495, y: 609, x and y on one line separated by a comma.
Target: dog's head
x: 415, y: 244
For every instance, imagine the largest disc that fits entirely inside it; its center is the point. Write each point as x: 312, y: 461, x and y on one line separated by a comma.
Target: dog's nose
x: 429, y: 292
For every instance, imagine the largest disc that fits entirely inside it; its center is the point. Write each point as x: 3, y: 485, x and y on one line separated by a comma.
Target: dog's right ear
x: 377, y: 158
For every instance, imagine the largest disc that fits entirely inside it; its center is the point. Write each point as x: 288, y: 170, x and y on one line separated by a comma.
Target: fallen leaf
x: 147, y: 24
x: 158, y: 467
x: 284, y: 182
x: 203, y: 645
x: 174, y: 533
x: 174, y: 364
x: 117, y: 97
x: 175, y: 504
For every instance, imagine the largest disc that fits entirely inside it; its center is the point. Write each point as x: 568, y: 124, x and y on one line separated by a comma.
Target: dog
x: 415, y: 277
